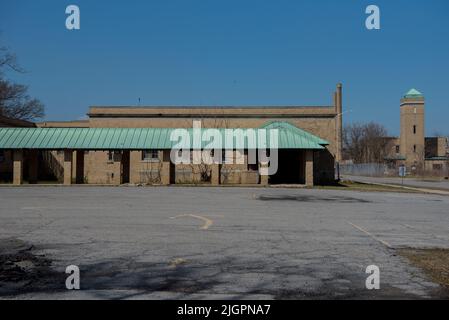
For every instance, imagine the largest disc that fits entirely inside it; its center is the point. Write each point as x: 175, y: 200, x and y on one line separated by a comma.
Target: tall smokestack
x: 339, y: 122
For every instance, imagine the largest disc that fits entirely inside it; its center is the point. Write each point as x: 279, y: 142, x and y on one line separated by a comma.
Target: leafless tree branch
x: 365, y: 143
x: 14, y: 101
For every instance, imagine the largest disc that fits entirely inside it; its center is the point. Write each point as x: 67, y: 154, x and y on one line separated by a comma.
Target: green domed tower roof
x: 413, y: 93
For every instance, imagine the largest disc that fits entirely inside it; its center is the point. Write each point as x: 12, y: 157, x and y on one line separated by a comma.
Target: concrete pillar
x: 166, y: 166
x: 165, y: 173
x: 263, y: 178
x: 309, y: 168
x: 135, y: 162
x: 74, y: 165
x: 32, y: 166
x: 215, y: 174
x: 17, y: 167
x: 68, y: 157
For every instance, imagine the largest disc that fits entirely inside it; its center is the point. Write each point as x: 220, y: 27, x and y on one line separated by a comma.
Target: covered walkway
x: 125, y: 143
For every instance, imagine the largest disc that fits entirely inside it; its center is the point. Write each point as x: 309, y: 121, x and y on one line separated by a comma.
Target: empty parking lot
x: 200, y: 242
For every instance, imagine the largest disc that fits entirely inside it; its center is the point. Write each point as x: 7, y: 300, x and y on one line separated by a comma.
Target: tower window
x: 414, y: 129
x: 414, y: 148
x: 397, y: 149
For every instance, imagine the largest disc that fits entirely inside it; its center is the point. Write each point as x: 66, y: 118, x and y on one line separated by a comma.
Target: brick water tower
x: 412, y: 130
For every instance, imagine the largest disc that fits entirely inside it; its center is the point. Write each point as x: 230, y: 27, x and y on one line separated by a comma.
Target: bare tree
x: 375, y: 142
x: 8, y: 60
x: 365, y: 143
x: 14, y: 101
x: 204, y: 170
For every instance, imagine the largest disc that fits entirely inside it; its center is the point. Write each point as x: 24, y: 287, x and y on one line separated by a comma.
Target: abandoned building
x: 413, y: 149
x: 131, y: 145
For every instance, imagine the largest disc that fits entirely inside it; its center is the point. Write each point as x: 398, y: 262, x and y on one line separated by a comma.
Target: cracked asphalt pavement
x: 215, y: 243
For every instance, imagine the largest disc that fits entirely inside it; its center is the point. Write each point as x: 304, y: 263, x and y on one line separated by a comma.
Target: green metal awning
x: 289, y: 130
x: 289, y: 137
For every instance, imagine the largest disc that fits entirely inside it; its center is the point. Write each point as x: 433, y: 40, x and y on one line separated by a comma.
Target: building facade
x: 420, y: 154
x: 310, y: 138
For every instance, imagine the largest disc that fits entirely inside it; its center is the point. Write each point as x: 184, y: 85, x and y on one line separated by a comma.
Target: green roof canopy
x: 413, y: 93
x: 288, y: 128
x: 290, y: 137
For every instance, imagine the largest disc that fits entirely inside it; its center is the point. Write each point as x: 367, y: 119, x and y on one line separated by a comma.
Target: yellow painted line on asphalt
x: 176, y: 262
x: 207, y: 222
x: 370, y: 234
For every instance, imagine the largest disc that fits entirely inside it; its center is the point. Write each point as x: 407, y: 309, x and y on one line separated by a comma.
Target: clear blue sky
x: 229, y: 52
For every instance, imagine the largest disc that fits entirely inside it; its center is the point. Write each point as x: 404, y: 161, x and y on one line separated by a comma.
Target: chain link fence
x: 365, y: 169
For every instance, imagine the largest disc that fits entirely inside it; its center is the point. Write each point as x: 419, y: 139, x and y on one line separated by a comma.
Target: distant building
x: 412, y: 149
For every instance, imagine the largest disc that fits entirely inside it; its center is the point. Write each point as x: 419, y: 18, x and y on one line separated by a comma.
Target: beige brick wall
x: 98, y: 169
x: 438, y: 167
x: 442, y: 147
x: 412, y: 114
x: 229, y: 173
x: 391, y: 144
x: 322, y: 127
x: 145, y: 171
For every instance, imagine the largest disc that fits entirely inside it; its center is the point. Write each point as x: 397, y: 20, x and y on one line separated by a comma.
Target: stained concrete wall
x: 99, y: 169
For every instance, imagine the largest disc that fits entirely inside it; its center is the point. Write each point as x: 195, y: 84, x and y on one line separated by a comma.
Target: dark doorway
x: 79, y: 166
x: 124, y: 168
x: 289, y: 170
x: 6, y: 166
x: 172, y: 173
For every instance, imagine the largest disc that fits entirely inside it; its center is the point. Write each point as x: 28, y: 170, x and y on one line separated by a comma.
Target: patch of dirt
x: 434, y: 262
x: 23, y: 271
